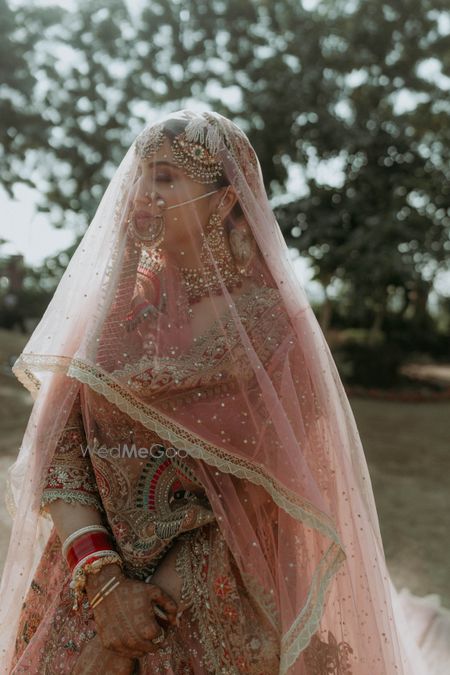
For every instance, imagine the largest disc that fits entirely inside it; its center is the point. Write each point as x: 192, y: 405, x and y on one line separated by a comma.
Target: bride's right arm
x: 68, y: 518
x: 72, y: 499
x: 70, y: 493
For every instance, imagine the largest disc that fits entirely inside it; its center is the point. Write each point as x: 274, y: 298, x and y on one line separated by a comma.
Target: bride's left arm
x: 165, y: 574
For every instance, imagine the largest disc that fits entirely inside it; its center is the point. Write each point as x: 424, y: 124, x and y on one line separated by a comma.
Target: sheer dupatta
x: 260, y: 409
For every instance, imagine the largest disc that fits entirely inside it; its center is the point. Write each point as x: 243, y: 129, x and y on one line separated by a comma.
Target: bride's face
x: 183, y: 224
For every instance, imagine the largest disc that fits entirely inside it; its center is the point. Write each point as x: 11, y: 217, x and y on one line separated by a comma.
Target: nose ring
x: 159, y: 202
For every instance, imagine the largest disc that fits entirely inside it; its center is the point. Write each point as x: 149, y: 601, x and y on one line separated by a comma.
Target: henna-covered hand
x: 95, y: 658
x: 125, y: 619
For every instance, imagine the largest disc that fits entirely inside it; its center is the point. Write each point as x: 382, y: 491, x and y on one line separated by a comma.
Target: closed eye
x: 160, y: 177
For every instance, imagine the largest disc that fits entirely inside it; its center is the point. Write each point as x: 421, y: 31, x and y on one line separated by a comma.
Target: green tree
x: 69, y: 130
x: 386, y: 227
x: 342, y: 85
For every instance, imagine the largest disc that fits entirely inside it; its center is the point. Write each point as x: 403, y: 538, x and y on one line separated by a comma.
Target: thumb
x: 162, y: 601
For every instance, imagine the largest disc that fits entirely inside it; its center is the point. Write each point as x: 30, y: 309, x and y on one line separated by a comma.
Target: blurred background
x: 347, y: 106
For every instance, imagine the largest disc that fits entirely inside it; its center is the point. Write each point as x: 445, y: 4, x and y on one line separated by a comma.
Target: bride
x: 191, y: 495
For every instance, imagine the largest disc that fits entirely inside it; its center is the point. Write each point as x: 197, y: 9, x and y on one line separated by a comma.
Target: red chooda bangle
x: 86, y: 544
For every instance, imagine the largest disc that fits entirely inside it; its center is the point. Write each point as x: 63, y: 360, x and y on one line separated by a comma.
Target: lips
x: 143, y: 219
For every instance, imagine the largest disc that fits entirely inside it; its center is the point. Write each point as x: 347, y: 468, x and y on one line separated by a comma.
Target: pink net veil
x: 262, y: 416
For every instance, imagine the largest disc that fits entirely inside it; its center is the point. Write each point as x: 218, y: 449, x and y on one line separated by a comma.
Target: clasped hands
x: 125, y: 622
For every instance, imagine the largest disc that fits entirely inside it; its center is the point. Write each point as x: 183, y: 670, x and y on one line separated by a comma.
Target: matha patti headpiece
x: 194, y: 149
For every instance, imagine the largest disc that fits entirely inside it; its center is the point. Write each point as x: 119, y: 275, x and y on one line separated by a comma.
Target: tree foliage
x: 356, y: 87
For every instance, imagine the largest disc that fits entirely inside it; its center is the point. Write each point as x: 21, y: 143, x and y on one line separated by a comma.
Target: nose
x: 148, y: 201
x: 141, y: 192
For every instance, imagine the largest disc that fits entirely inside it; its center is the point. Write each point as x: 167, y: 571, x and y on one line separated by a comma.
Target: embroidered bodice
x: 147, y: 495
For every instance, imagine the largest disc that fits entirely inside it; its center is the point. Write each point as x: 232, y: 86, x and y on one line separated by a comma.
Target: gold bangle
x: 103, y: 589
x: 102, y: 597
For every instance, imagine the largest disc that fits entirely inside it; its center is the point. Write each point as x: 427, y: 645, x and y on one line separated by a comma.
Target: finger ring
x: 161, y: 637
x: 159, y: 612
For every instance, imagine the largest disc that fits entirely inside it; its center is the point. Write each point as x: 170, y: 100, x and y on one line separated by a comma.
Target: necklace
x: 197, y: 281
x: 201, y: 281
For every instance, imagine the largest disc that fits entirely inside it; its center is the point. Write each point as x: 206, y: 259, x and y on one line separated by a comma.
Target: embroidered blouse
x: 147, y: 502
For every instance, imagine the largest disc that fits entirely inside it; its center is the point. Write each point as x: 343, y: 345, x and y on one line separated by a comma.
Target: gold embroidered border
x: 299, y: 635
x: 69, y: 496
x: 153, y: 419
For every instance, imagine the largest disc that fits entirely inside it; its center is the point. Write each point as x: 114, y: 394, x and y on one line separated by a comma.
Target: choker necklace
x: 201, y: 281
x: 197, y: 281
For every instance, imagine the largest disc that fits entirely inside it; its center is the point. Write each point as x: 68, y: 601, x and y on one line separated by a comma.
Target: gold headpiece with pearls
x: 193, y: 150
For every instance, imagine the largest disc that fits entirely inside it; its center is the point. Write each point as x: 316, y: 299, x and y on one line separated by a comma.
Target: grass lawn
x: 408, y: 454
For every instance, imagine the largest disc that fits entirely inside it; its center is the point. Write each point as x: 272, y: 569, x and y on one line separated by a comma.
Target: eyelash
x: 165, y: 179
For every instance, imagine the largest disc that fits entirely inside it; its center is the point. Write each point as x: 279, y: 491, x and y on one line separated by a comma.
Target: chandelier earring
x: 215, y: 238
x: 214, y: 249
x: 243, y: 248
